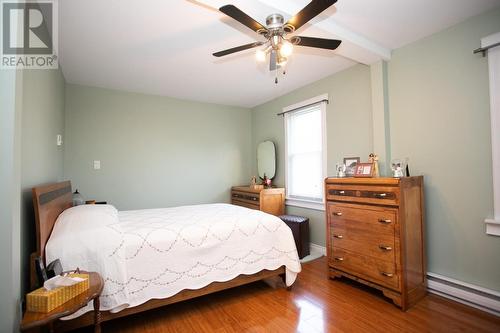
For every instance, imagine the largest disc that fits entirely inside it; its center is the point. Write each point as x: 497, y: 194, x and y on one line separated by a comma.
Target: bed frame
x: 51, y: 200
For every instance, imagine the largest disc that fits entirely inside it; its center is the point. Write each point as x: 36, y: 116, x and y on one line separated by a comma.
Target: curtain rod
x: 302, y: 106
x: 485, y: 49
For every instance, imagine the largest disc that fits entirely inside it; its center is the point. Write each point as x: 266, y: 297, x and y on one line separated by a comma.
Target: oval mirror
x: 266, y: 159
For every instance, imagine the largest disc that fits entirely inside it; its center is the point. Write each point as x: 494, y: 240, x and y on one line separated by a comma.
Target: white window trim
x: 493, y: 224
x: 301, y: 202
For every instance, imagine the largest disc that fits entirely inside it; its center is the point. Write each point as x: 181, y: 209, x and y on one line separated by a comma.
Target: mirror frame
x: 263, y: 144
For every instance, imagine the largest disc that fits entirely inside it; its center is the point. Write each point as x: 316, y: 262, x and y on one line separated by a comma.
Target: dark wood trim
x: 48, y: 201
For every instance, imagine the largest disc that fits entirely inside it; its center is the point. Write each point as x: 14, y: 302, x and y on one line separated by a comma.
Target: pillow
x: 85, y: 236
x: 84, y: 217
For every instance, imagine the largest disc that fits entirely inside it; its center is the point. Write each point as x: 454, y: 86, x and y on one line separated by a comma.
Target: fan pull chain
x: 277, y: 73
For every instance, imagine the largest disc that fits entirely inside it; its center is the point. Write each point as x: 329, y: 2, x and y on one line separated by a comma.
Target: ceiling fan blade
x: 237, y: 49
x: 241, y: 17
x: 314, y: 8
x: 322, y: 43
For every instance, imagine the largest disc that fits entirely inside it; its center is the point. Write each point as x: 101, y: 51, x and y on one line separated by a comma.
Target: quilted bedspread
x: 156, y: 253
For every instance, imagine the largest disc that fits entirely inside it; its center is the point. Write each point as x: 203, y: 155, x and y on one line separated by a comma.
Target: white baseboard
x: 315, y: 248
x: 481, y: 298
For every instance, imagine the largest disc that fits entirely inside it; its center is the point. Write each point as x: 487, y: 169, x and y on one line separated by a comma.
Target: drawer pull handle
x: 339, y: 258
x: 254, y: 199
x: 387, y: 274
x: 381, y: 195
x: 337, y: 213
x: 341, y: 192
x: 338, y: 236
x: 385, y: 247
x: 387, y: 221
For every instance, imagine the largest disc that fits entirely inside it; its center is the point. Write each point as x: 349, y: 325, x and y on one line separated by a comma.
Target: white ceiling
x: 165, y: 47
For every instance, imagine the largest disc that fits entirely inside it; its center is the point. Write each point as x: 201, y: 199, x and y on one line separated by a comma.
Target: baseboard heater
x: 481, y: 298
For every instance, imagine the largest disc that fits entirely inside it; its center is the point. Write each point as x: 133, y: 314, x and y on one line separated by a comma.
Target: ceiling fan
x: 277, y: 44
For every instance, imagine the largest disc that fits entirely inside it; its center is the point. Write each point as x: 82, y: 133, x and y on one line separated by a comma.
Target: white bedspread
x: 156, y: 253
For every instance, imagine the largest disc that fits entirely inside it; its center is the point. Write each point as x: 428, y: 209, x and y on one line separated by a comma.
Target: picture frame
x: 350, y: 163
x: 364, y: 170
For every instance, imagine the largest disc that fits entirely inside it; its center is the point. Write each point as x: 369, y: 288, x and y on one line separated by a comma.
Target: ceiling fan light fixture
x: 286, y: 49
x: 275, y: 32
x: 282, y: 61
x: 260, y: 55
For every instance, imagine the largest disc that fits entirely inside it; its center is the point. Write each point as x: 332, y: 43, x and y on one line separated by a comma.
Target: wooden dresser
x: 375, y: 234
x: 269, y: 200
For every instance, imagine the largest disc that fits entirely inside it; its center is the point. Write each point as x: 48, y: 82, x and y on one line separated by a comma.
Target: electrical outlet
x: 97, y: 165
x: 59, y: 140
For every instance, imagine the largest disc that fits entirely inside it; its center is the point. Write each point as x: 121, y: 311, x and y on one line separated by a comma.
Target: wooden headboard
x: 49, y: 201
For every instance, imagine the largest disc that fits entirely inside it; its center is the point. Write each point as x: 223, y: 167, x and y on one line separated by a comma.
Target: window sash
x: 314, y: 152
x: 493, y: 222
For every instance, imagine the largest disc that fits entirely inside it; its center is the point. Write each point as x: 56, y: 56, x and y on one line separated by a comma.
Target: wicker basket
x: 43, y: 300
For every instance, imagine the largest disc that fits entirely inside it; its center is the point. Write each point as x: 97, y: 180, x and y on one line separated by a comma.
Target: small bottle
x: 77, y: 198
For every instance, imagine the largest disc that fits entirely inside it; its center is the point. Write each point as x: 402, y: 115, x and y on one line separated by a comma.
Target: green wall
x: 439, y: 115
x: 10, y: 132
x: 32, y: 116
x: 41, y: 158
x: 349, y: 128
x: 155, y: 151
x: 439, y: 118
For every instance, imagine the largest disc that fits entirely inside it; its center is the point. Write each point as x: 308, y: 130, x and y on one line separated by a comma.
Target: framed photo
x: 350, y: 163
x: 363, y: 170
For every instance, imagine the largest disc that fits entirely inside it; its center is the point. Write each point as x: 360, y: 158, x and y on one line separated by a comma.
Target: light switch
x: 97, y: 165
x: 59, y: 140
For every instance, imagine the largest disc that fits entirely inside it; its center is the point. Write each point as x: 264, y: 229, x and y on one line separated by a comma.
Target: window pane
x: 306, y: 175
x: 305, y: 154
x: 305, y: 130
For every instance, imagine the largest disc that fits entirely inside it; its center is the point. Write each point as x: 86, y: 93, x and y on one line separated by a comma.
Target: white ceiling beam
x: 377, y: 52
x: 354, y: 46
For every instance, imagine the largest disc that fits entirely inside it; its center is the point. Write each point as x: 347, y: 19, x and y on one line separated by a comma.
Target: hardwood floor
x: 315, y: 304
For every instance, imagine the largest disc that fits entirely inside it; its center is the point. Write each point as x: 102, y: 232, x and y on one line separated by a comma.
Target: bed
x: 151, y: 258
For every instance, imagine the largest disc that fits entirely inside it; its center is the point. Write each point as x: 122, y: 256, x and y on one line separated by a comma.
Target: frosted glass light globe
x: 260, y: 55
x: 286, y: 49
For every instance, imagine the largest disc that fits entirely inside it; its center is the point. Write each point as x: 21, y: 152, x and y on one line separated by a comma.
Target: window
x: 305, y: 149
x: 493, y: 223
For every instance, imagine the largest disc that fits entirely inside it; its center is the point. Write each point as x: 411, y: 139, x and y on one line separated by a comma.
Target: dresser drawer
x: 368, y: 268
x: 251, y: 198
x: 268, y: 200
x: 245, y: 204
x: 364, y: 243
x: 376, y: 220
x: 381, y: 195
x: 359, y: 230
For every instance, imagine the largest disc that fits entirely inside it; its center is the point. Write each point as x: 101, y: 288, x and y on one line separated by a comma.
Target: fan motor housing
x: 275, y: 21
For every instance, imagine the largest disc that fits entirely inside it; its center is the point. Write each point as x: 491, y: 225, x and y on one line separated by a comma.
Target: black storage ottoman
x: 300, y: 230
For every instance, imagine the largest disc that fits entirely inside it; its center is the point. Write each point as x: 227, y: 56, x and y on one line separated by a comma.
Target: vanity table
x: 269, y: 200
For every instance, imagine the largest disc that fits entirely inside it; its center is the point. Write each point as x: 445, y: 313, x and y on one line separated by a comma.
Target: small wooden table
x: 38, y: 319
